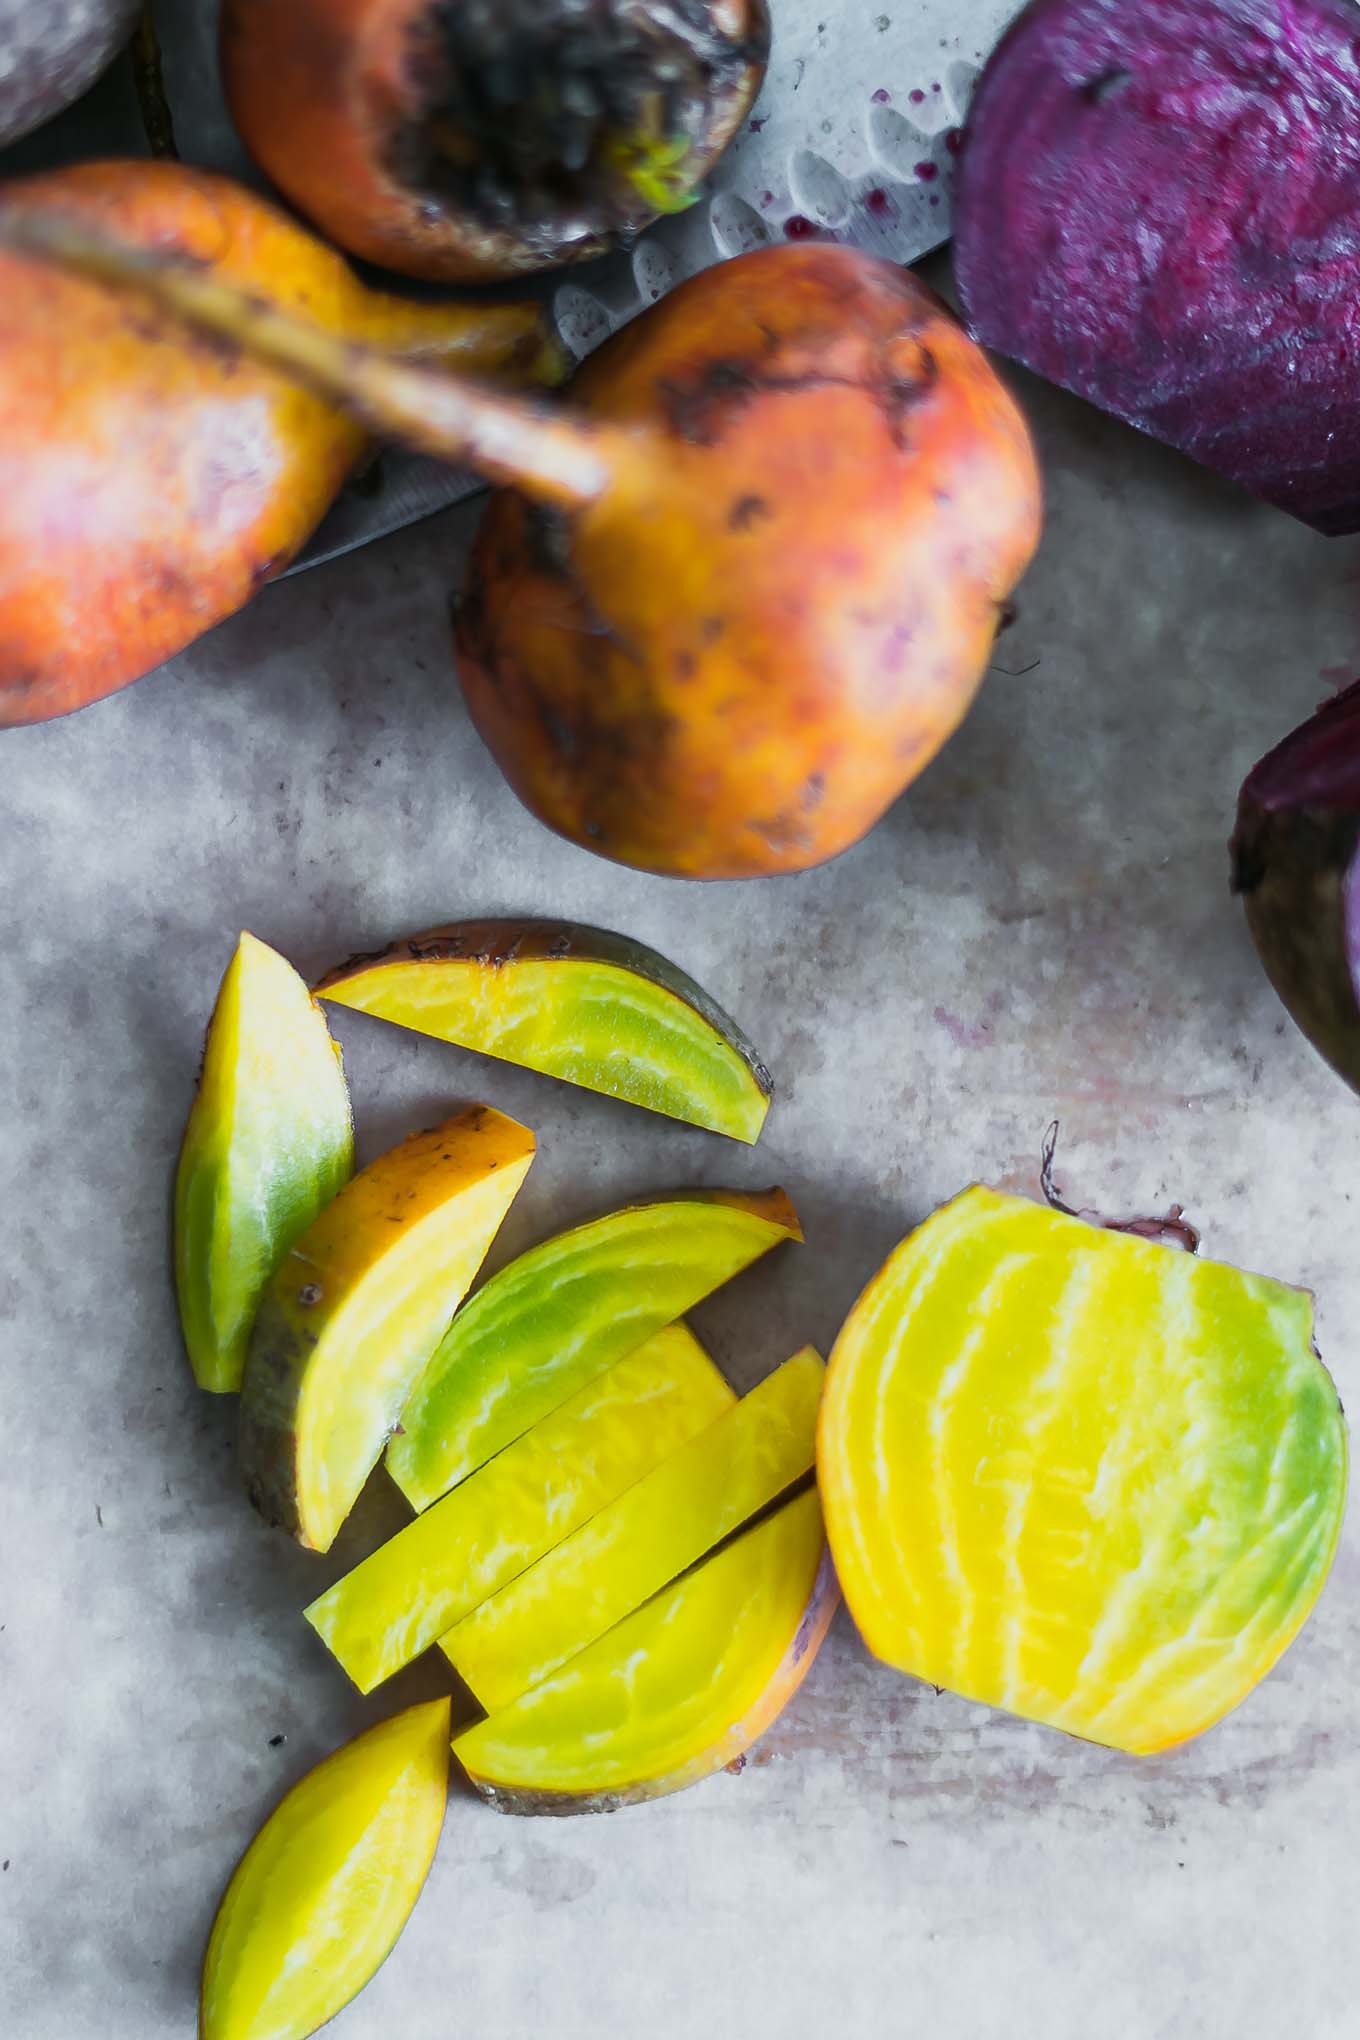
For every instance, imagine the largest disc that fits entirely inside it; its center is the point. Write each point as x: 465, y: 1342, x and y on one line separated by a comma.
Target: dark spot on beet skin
x: 746, y: 511
x: 1107, y: 86
x: 684, y: 665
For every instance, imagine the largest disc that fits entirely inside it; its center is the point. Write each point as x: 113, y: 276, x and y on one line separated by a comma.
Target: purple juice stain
x: 927, y: 172
x: 756, y: 125
x: 798, y: 228
x: 877, y: 201
x: 917, y: 96
x: 953, y: 141
x: 881, y: 98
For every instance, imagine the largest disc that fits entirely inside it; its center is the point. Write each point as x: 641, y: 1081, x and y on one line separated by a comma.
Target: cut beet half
x: 564, y: 1312
x: 1078, y: 1475
x: 697, y: 1496
x: 1296, y: 863
x: 680, y: 1689
x: 476, y: 1539
x: 1158, y: 207
x: 582, y: 1004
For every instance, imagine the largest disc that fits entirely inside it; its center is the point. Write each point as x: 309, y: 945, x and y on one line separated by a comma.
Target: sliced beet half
x: 1158, y: 207
x: 1296, y: 863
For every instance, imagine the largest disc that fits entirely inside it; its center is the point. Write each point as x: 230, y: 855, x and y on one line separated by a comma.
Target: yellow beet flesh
x: 268, y: 1143
x: 1076, y: 1474
x: 679, y: 1689
x: 638, y: 1543
x: 523, y: 1502
x: 561, y: 1314
x: 323, y: 1891
x: 582, y: 1004
x: 356, y: 1309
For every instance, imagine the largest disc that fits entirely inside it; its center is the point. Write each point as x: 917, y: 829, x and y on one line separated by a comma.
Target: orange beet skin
x: 736, y: 658
x: 152, y: 478
x: 353, y: 109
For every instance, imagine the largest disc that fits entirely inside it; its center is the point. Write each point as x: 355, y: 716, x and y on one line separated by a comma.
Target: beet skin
x: 1159, y: 208
x: 1296, y: 863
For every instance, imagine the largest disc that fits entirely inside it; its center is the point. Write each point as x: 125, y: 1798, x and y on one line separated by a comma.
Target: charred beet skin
x: 1295, y: 863
x: 1159, y: 208
x: 471, y: 138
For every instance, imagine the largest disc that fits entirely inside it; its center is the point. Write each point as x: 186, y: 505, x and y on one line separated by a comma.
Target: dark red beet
x: 1297, y: 867
x: 1158, y: 207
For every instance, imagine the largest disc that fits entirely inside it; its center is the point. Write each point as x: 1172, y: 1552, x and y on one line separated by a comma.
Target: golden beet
x: 733, y: 603
x: 152, y: 478
x: 735, y: 658
x: 463, y: 138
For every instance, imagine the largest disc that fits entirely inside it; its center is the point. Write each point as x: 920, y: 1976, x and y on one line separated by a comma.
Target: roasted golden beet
x: 474, y: 138
x: 730, y: 609
x: 153, y: 479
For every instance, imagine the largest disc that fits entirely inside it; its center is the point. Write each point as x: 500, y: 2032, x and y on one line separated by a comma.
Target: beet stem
x: 511, y: 440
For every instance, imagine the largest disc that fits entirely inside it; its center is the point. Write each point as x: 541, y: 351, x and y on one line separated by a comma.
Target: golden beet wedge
x: 564, y: 1312
x: 320, y: 1896
x: 468, y: 141
x: 678, y: 1690
x: 1079, y: 1475
x: 356, y: 1308
x: 517, y: 1507
x: 582, y: 1004
x: 270, y: 1140
x: 676, y: 1513
x: 153, y: 480
x: 735, y: 598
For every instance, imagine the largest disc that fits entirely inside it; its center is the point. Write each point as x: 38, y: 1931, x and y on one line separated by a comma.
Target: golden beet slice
x: 527, y: 1499
x: 1076, y: 1474
x: 356, y: 1309
x: 269, y: 1141
x: 323, y: 1891
x: 582, y: 1004
x: 679, y: 1689
x: 564, y: 1312
x: 644, y: 1539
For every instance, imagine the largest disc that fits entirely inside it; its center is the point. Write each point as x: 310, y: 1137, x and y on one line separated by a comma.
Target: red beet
x: 1296, y: 863
x: 1159, y: 208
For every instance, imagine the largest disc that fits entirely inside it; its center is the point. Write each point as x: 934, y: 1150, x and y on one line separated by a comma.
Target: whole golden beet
x: 735, y: 658
x: 150, y: 477
x: 734, y: 602
x: 463, y: 138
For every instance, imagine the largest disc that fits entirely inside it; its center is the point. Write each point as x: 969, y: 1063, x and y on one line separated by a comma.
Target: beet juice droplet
x: 877, y: 202
x: 927, y: 172
x: 797, y: 228
x: 880, y: 98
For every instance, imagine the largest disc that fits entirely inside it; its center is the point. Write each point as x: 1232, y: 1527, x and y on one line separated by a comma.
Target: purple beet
x: 1297, y: 867
x: 1159, y: 208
